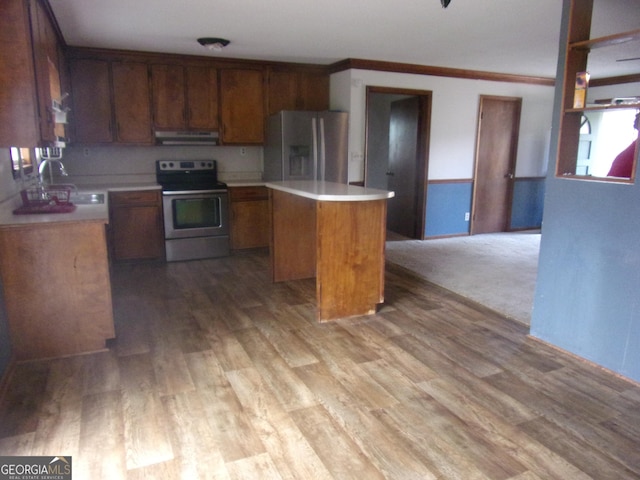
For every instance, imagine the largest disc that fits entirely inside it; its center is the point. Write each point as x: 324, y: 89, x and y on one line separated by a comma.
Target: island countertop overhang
x: 330, y: 191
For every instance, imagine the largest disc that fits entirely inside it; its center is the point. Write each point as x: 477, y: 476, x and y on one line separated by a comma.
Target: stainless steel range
x: 195, y: 206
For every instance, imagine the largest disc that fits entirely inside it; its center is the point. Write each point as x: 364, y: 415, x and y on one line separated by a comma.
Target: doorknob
x: 390, y: 174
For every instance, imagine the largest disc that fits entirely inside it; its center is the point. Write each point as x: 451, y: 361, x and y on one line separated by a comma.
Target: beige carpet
x: 497, y: 270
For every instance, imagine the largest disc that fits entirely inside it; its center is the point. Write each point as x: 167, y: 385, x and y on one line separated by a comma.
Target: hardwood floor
x: 217, y: 373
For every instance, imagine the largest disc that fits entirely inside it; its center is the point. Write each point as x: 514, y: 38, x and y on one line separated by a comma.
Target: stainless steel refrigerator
x: 307, y: 146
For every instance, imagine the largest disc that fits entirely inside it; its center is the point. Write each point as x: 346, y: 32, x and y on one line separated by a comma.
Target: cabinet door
x: 202, y: 98
x: 283, y: 91
x: 168, y: 87
x: 135, y: 220
x: 294, y: 90
x: 242, y: 106
x: 57, y: 290
x: 91, y: 99
x: 314, y: 91
x: 18, y: 103
x: 249, y: 217
x: 45, y: 56
x: 131, y: 102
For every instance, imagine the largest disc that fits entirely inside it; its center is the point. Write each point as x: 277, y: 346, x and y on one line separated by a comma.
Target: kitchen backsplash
x: 117, y: 165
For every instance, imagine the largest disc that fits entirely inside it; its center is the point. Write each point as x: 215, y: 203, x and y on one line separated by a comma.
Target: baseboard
x: 450, y: 235
x: 584, y: 360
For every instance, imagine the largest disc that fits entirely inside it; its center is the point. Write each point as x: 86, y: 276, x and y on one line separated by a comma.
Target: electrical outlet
x: 243, y: 151
x: 467, y: 215
x: 86, y: 152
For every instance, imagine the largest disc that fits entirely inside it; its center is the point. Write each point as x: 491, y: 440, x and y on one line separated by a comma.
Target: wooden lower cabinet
x: 136, y: 225
x: 249, y: 217
x: 57, y: 290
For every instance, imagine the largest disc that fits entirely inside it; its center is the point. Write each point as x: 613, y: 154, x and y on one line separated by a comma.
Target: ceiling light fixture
x: 213, y: 43
x: 445, y: 3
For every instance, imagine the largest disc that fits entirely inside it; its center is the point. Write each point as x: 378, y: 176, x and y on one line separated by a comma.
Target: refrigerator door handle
x: 314, y: 133
x: 323, y: 160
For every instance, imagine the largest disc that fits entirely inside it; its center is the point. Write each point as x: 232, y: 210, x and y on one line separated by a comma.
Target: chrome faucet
x: 44, y: 163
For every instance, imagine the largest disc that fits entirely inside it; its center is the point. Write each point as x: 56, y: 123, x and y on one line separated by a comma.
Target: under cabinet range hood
x: 184, y: 137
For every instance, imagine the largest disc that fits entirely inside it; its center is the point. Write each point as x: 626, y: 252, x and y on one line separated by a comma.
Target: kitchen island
x: 335, y: 233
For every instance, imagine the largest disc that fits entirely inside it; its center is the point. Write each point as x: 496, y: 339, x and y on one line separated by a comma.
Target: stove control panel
x: 185, y: 165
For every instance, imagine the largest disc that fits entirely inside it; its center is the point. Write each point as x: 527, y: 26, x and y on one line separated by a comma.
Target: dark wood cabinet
x: 131, y: 102
x: 91, y: 101
x: 71, y: 311
x: 136, y: 225
x: 242, y: 110
x: 29, y: 75
x: 121, y: 97
x: 168, y: 96
x: 184, y: 97
x: 48, y: 65
x: 283, y: 91
x: 18, y: 104
x: 296, y: 90
x: 202, y: 97
x: 249, y: 217
x: 314, y: 91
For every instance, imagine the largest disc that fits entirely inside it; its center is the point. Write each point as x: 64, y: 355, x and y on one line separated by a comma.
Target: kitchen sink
x: 87, y: 198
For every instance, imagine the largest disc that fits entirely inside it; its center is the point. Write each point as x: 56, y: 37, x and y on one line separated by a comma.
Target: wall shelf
x: 607, y: 41
x: 579, y: 46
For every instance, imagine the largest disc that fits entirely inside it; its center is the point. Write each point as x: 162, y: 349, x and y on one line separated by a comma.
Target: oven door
x: 189, y: 214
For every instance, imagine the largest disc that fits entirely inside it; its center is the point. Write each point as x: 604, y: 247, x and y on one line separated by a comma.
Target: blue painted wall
x: 447, y: 202
x: 528, y: 203
x: 587, y: 298
x: 446, y: 205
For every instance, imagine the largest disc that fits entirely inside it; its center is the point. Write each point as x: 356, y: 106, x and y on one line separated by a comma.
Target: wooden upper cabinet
x: 283, y: 91
x: 29, y: 75
x: 314, y: 91
x: 184, y: 97
x: 49, y: 65
x: 18, y: 102
x: 168, y: 90
x: 91, y: 101
x: 202, y: 98
x: 297, y: 90
x: 242, y: 109
x: 131, y: 102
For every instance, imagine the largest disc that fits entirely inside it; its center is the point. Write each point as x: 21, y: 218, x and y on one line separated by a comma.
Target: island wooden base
x: 341, y: 243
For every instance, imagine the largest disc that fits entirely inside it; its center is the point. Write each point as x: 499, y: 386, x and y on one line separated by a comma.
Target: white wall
x: 453, y: 119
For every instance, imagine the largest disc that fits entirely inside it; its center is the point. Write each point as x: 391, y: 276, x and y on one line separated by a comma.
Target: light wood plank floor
x: 217, y: 373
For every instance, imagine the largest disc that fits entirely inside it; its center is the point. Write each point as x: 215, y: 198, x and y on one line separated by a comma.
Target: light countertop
x: 330, y: 192
x: 82, y: 213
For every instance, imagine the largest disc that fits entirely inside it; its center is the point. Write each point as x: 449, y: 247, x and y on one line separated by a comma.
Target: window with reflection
x: 22, y: 161
x: 604, y: 135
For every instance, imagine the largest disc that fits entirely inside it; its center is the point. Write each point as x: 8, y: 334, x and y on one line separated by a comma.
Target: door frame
x: 422, y: 150
x: 515, y: 135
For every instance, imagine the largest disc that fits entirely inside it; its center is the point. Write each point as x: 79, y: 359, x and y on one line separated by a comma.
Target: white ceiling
x: 506, y: 36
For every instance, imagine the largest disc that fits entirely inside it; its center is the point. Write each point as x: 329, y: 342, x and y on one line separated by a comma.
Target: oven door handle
x: 191, y: 192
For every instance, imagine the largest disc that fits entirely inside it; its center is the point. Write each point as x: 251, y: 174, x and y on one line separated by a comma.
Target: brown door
x: 397, y: 154
x: 498, y: 127
x: 403, y: 149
